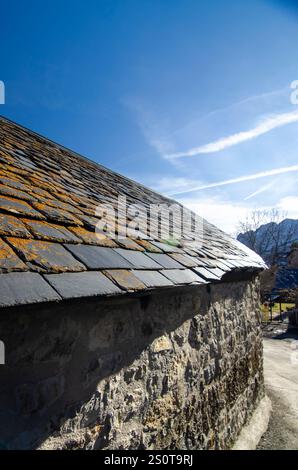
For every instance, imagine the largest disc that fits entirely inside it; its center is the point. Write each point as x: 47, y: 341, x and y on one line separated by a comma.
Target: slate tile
x: 9, y: 261
x: 84, y: 284
x: 25, y: 288
x: 217, y: 272
x: 198, y: 251
x: 8, y: 191
x: 186, y: 260
x: 228, y: 266
x: 148, y: 246
x: 13, y: 183
x: 35, y: 190
x: 59, y: 215
x: 222, y: 265
x: 41, y: 183
x: 17, y: 206
x: 88, y: 221
x: 93, y: 238
x: 12, y: 226
x: 59, y: 205
x: 129, y: 244
x: 165, y: 261
x: 63, y: 197
x: 190, y: 252
x: 209, y: 254
x: 98, y: 257
x: 46, y: 256
x: 166, y: 247
x: 50, y: 232
x: 26, y: 162
x: 5, y: 157
x: 205, y: 262
x: 153, y: 278
x: 242, y: 263
x: 125, y: 279
x: 206, y: 274
x: 231, y: 263
x: 186, y: 276
x: 137, y: 259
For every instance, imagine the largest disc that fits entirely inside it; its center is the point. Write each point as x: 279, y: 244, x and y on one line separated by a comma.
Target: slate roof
x: 48, y: 247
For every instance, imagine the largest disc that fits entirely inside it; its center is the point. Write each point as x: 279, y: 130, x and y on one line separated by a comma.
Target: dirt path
x: 281, y: 379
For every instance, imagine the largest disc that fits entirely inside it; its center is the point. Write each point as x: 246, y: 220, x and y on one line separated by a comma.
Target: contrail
x: 260, y: 191
x: 263, y: 174
x: 265, y: 126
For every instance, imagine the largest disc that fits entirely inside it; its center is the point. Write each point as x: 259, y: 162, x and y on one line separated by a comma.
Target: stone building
x: 124, y: 343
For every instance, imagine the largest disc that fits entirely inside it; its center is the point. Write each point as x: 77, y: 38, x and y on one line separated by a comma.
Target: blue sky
x: 179, y: 95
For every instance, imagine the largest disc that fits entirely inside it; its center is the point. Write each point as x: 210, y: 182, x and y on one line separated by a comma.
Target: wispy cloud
x: 171, y: 183
x: 265, y: 126
x: 160, y: 133
x: 263, y: 174
x: 261, y: 99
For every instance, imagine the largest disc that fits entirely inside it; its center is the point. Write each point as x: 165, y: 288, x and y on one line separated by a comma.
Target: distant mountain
x: 273, y: 242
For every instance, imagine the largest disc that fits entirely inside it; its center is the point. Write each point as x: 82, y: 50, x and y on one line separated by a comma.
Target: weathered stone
x: 32, y: 398
x: 173, y: 370
x: 182, y: 276
x: 137, y: 259
x: 206, y: 274
x: 92, y: 237
x: 186, y: 260
x: 148, y: 246
x: 152, y: 278
x: 12, y: 226
x: 130, y: 244
x: 85, y: 284
x: 165, y: 261
x: 16, y: 206
x: 8, y: 191
x: 45, y: 231
x: 24, y: 288
x: 56, y: 214
x: 125, y: 279
x: 98, y: 257
x: 47, y: 256
x: 161, y: 344
x: 9, y: 261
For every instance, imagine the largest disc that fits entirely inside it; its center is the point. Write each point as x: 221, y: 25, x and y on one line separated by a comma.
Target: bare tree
x: 263, y: 232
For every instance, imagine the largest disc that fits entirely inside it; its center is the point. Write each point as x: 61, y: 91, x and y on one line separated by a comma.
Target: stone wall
x: 176, y: 369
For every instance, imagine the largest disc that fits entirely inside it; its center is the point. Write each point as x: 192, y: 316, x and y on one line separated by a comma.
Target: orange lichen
x: 125, y: 279
x: 16, y: 206
x: 10, y: 225
x: 50, y: 257
x: 9, y: 261
x: 130, y: 244
x: 92, y: 238
x: 13, y: 192
x: 53, y: 213
x: 148, y: 246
